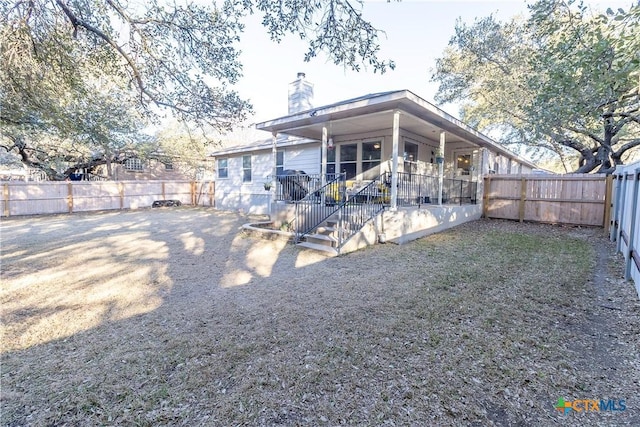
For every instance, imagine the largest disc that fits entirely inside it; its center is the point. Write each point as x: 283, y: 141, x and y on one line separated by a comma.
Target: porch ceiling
x: 375, y: 112
x: 370, y: 122
x: 372, y: 113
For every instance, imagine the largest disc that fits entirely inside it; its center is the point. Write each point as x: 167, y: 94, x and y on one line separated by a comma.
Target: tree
x: 185, y: 148
x: 564, y: 80
x: 162, y: 57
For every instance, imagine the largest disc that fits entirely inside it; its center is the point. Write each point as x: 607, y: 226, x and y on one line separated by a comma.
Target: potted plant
x: 439, y: 156
x: 267, y: 185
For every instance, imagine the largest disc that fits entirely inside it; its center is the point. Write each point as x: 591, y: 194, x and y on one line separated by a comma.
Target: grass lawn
x: 174, y: 318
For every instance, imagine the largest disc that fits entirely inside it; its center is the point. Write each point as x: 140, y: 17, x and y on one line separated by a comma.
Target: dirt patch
x: 170, y: 317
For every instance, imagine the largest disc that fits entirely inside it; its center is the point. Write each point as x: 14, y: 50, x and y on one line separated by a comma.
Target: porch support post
x: 274, y: 171
x: 394, y: 160
x: 323, y: 163
x: 441, y: 167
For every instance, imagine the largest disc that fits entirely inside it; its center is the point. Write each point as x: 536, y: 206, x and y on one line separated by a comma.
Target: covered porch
x: 397, y: 133
x: 390, y: 152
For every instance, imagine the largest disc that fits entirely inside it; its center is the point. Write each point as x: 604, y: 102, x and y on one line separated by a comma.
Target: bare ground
x: 174, y: 317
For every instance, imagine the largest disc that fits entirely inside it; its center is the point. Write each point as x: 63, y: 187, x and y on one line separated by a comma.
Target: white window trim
x: 284, y: 155
x: 242, y: 168
x: 218, y: 168
x: 134, y: 165
x: 463, y: 152
x: 359, y: 160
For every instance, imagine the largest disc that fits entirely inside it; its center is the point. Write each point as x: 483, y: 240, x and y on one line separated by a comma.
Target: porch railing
x: 318, y: 205
x: 416, y: 190
x: 352, y: 210
x: 296, y: 187
x: 360, y: 208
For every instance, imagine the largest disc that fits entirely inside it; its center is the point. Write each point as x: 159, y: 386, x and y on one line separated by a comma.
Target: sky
x: 417, y: 33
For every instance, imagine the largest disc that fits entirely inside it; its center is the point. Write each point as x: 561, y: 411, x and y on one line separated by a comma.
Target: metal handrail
x: 295, y: 187
x: 311, y: 210
x: 361, y: 207
x: 356, y: 209
x: 417, y: 190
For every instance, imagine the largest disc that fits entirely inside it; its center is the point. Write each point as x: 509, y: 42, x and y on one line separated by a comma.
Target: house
x: 394, y: 153
x: 152, y: 169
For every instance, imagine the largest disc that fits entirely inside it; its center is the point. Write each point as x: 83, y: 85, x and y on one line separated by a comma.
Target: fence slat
x: 625, y: 219
x: 53, y: 197
x: 559, y: 199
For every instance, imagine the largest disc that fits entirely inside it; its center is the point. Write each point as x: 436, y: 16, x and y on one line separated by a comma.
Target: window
x: 410, y: 157
x: 463, y: 164
x: 246, y: 168
x: 168, y: 166
x: 349, y: 159
x: 223, y: 168
x: 279, y: 162
x: 371, y: 154
x: 331, y: 161
x: 133, y: 164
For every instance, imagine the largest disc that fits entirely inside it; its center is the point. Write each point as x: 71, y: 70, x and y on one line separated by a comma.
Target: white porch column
x: 441, y: 167
x: 323, y: 162
x: 323, y: 158
x: 274, y: 167
x: 394, y: 160
x: 274, y: 170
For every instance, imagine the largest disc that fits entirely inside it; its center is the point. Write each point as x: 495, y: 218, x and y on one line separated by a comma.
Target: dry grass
x: 171, y: 317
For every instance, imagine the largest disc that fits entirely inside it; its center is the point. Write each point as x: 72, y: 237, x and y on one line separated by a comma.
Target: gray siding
x: 249, y: 197
x: 306, y: 158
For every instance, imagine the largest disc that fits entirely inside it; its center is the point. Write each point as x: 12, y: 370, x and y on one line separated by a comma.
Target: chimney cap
x: 301, y: 75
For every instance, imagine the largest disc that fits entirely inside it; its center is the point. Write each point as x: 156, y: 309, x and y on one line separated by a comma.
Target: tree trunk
x: 109, y: 167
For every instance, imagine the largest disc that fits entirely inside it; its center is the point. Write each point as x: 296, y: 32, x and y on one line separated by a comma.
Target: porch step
x: 322, y: 239
x: 326, y: 230
x: 332, y: 223
x: 322, y: 248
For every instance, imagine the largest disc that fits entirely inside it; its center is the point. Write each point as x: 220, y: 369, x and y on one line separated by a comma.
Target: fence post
x: 193, y: 193
x: 211, y: 184
x: 485, y: 196
x: 523, y: 197
x: 607, y: 203
x: 5, y: 192
x: 70, y: 197
x: 163, y: 192
x: 121, y: 193
x: 621, y: 212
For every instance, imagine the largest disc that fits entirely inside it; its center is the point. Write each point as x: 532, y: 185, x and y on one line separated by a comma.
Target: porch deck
x: 356, y: 215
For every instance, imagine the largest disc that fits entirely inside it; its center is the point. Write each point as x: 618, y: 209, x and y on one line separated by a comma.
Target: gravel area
x: 174, y: 316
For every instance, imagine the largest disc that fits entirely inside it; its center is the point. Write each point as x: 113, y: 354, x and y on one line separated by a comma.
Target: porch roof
x: 375, y: 112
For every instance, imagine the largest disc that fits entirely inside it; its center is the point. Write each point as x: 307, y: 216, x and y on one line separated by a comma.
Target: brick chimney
x: 300, y: 94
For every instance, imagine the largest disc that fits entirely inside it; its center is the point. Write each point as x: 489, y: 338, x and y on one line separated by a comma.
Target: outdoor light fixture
x: 330, y: 144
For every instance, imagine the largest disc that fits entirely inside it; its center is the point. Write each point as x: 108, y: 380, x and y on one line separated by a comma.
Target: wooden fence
x: 625, y: 219
x: 577, y: 199
x: 51, y: 197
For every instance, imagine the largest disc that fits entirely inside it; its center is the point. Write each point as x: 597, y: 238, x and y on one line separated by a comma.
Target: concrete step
x: 333, y: 223
x: 326, y: 230
x: 322, y: 239
x: 321, y: 248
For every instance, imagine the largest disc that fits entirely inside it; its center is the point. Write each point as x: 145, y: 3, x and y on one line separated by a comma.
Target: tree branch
x: 629, y: 145
x: 586, y: 133
x: 77, y: 22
